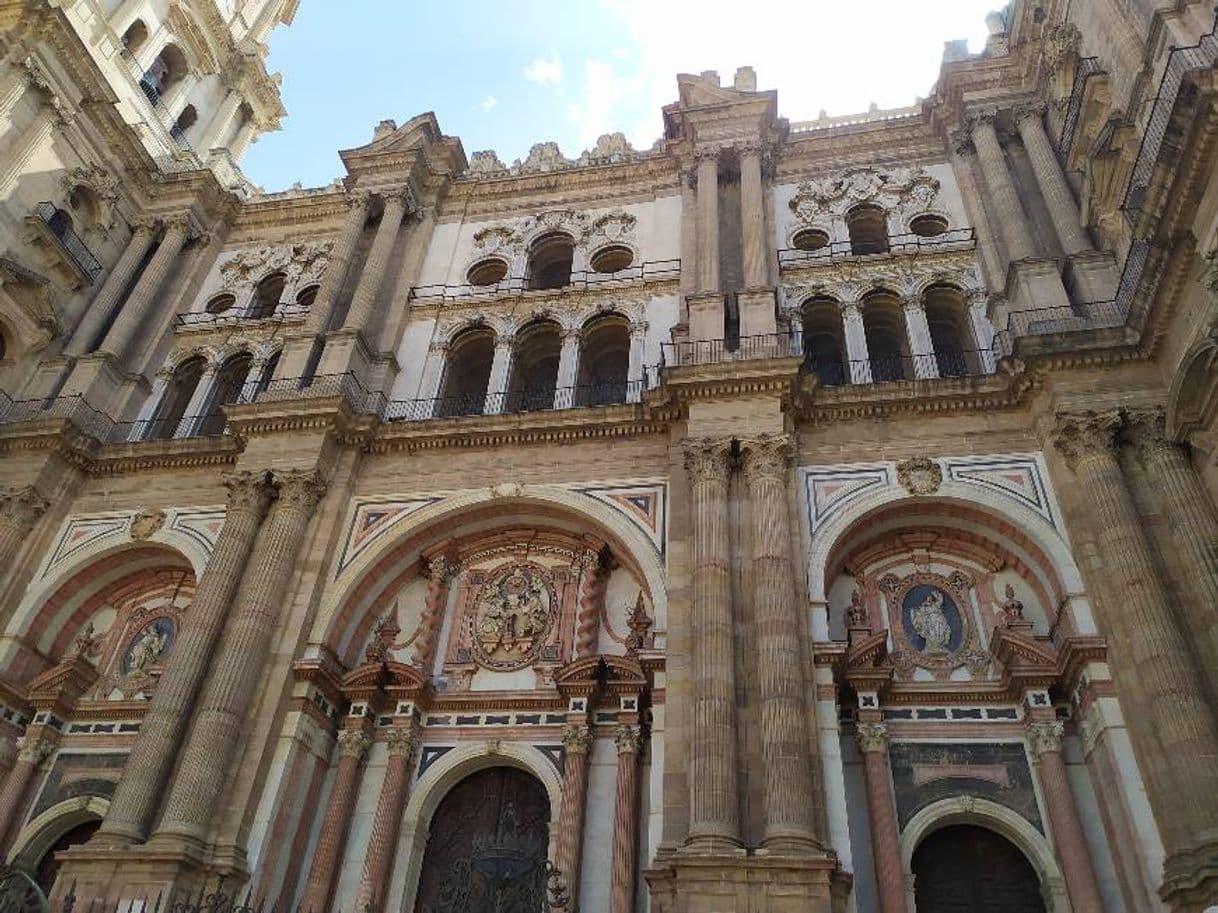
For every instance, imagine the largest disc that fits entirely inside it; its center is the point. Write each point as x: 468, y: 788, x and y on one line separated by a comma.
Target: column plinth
x: 881, y: 814
x: 383, y: 840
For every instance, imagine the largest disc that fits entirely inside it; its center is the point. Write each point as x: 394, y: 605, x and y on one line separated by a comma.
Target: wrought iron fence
x: 535, y: 399
x: 743, y: 348
x: 282, y: 312
x: 1086, y: 68
x: 652, y: 271
x: 898, y: 245
x: 69, y: 240
x: 888, y: 368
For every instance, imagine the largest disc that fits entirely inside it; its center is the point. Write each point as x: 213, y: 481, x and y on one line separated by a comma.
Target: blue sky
x: 504, y: 76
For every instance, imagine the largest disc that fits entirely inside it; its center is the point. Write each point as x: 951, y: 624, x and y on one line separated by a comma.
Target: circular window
x: 810, y: 239
x: 612, y: 259
x: 487, y: 272
x: 220, y: 304
x: 928, y: 226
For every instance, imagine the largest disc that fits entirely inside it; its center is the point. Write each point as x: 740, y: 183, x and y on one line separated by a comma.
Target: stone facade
x: 728, y: 524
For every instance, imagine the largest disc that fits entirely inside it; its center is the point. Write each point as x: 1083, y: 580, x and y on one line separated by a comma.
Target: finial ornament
x: 1012, y: 608
x: 639, y: 624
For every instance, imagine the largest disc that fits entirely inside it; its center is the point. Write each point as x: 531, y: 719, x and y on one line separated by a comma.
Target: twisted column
x: 383, y: 840
x: 139, y: 792
x: 104, y: 303
x: 339, y: 262
x: 752, y: 215
x: 714, y: 820
x: 363, y: 302
x: 591, y: 604
x: 145, y: 295
x: 1012, y: 224
x: 1045, y: 745
x: 1063, y: 211
x: 439, y: 572
x: 789, y: 790
x: 233, y: 677
x: 352, y: 747
x: 20, y: 508
x: 625, y: 820
x: 14, y: 795
x: 577, y: 745
x: 708, y: 220
x: 1174, y: 732
x: 881, y: 814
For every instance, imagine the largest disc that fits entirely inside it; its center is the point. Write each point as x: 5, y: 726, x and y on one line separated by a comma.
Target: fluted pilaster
x: 755, y: 248
x: 352, y: 747
x: 1063, y: 211
x: 1009, y: 214
x: 339, y: 262
x: 383, y: 840
x: 708, y: 221
x: 363, y: 302
x: 15, y: 794
x: 108, y: 297
x: 872, y: 740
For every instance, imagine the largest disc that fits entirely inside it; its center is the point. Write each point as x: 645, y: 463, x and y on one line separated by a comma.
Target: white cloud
x: 596, y: 111
x: 489, y: 102
x: 544, y: 72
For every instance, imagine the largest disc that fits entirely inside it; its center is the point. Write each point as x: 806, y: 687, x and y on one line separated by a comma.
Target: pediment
x: 393, y: 145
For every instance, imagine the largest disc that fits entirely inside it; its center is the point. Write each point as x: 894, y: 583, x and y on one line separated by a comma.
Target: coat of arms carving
x: 512, y: 617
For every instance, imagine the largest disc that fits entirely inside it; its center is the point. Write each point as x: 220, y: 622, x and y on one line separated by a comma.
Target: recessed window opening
x: 467, y: 373
x: 946, y: 316
x: 928, y: 225
x: 612, y: 259
x: 884, y: 328
x: 604, y: 363
x: 868, y: 229
x: 230, y: 381
x: 534, y: 367
x: 306, y: 296
x: 824, y: 340
x: 220, y: 303
x: 550, y: 261
x: 133, y: 39
x: 810, y: 239
x: 177, y: 397
x: 267, y: 295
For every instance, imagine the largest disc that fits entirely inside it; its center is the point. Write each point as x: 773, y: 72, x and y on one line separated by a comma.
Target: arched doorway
x: 487, y: 846
x: 969, y: 869
x: 48, y: 865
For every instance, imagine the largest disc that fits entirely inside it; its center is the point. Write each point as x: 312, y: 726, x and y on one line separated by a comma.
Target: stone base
x: 758, y: 312
x: 706, y: 883
x: 109, y: 876
x: 46, y: 379
x: 347, y: 352
x: 295, y: 355
x: 106, y: 387
x: 1092, y: 276
x: 1190, y: 878
x: 1035, y: 285
x: 706, y: 316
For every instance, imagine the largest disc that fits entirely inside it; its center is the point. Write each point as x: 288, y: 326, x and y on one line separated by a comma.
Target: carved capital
x: 352, y: 743
x: 439, y: 569
x: 1045, y: 737
x: 1146, y: 431
x: 981, y: 119
x: 766, y: 458
x: 33, y: 751
x: 21, y: 506
x: 576, y: 738
x: 708, y: 460
x: 1086, y: 435
x: 871, y: 737
x: 359, y: 198
x: 178, y: 223
x: 299, y: 489
x: 144, y: 225
x: 248, y: 491
x: 402, y: 743
x: 1032, y: 111
x: 398, y: 198
x: 628, y: 739
x: 962, y: 141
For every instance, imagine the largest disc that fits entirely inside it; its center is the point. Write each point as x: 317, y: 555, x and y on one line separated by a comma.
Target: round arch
x: 1193, y: 397
x: 1002, y: 821
x: 440, y: 778
x: 40, y: 833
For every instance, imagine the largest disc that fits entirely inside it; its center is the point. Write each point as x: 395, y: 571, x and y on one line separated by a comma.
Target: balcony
x: 518, y: 286
x: 898, y: 246
x: 51, y: 228
x: 197, y: 319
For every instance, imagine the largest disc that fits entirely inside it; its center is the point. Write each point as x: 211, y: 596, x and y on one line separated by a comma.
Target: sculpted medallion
x: 512, y: 617
x: 148, y: 646
x: 931, y: 625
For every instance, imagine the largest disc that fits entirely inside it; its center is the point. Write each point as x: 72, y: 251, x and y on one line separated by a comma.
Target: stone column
x: 983, y: 330
x: 138, y: 794
x: 882, y: 816
x: 1009, y: 214
x: 577, y: 746
x: 146, y: 294
x: 221, y: 123
x: 625, y: 821
x: 920, y: 343
x: 338, y: 263
x: 16, y: 153
x: 708, y: 220
x: 1174, y: 732
x: 1045, y: 745
x: 856, y: 343
x: 568, y: 370
x: 242, y: 140
x: 591, y: 604
x: 144, y: 418
x: 714, y: 819
x: 1189, y: 511
x: 383, y: 840
x: 636, y: 380
x: 362, y: 315
x: 14, y: 795
x: 352, y: 746
x: 496, y: 384
x: 431, y: 621
x: 20, y: 508
x: 102, y: 307
x: 233, y: 676
x: 196, y: 409
x: 752, y: 218
x: 1052, y: 182
x: 789, y: 790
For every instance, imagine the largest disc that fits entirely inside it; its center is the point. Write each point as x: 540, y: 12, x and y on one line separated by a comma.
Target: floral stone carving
x: 920, y: 476
x: 906, y: 189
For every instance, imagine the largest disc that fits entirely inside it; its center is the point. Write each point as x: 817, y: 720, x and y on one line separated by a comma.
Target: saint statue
x: 146, y: 651
x: 931, y: 624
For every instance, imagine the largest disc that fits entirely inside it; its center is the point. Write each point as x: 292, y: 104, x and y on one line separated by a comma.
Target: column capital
x: 767, y: 457
x: 1146, y: 431
x: 913, y: 303
x: 180, y: 222
x: 708, y: 459
x: 352, y: 743
x: 505, y: 341
x: 707, y: 154
x: 359, y: 198
x: 961, y: 141
x: 248, y: 491
x: 871, y: 737
x: 22, y: 504
x: 1045, y: 737
x: 628, y: 739
x: 402, y: 742
x: 34, y: 751
x: 398, y: 196
x: 1086, y: 434
x: 299, y: 488
x: 439, y: 568
x: 987, y: 117
x: 577, y: 738
x: 144, y: 225
x: 1029, y: 111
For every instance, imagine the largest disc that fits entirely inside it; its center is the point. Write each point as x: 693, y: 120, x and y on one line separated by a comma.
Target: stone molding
x: 1086, y: 435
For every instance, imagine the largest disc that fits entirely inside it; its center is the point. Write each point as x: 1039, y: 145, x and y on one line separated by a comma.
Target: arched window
x: 810, y: 239
x: 220, y: 304
x: 185, y: 121
x: 176, y: 399
x: 550, y: 260
x: 972, y: 869
x: 230, y: 382
x: 306, y: 296
x: 947, y: 318
x: 612, y: 259
x: 83, y: 202
x: 263, y: 381
x: 928, y: 225
x: 534, y: 367
x: 490, y: 271
x: 266, y: 296
x: 825, y: 341
x: 165, y: 72
x: 135, y: 36
x: 868, y: 229
x: 60, y: 223
x: 466, y: 373
x: 604, y: 362
x: 887, y: 345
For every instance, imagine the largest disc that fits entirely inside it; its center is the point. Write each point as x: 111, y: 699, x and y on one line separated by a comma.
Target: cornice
x: 332, y: 415
x: 176, y: 453
x: 298, y: 211
x: 986, y: 392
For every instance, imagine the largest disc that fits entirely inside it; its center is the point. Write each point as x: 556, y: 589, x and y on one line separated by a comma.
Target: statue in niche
x: 148, y: 647
x: 931, y: 624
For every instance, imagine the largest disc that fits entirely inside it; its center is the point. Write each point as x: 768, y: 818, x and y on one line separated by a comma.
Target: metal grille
x: 1086, y: 68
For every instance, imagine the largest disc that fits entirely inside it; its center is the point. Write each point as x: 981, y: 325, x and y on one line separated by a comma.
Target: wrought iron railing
x: 539, y: 399
x: 201, y: 318
x: 70, y: 243
x: 1086, y: 68
x: 716, y: 351
x: 831, y: 372
x: 898, y: 245
x: 652, y: 271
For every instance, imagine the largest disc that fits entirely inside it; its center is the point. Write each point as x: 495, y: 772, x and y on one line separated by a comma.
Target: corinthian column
x: 577, y: 745
x: 14, y: 795
x: 352, y: 746
x: 101, y: 308
x: 625, y: 821
x: 591, y: 604
x: 714, y: 812
x: 1063, y: 211
x: 789, y: 790
x: 145, y: 295
x: 439, y: 573
x: 138, y: 794
x: 1174, y: 732
x: 1045, y: 745
x: 20, y: 508
x: 752, y: 216
x: 1012, y: 224
x: 383, y: 840
x: 363, y: 302
x: 339, y: 262
x: 708, y: 221
x: 881, y: 815
x: 16, y: 153
x: 233, y: 677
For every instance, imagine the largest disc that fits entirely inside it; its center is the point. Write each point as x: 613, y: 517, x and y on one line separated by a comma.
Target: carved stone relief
x: 930, y: 618
x: 908, y: 190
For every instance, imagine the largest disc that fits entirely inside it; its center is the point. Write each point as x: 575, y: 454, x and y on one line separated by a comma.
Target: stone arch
x: 1002, y: 821
x: 440, y: 778
x: 40, y: 833
x: 1193, y: 398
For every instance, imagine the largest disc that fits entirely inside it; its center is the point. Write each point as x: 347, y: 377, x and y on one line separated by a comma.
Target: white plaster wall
x: 597, y: 865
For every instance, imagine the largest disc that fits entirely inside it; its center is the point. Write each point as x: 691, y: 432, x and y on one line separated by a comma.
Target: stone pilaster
x: 439, y: 573
x: 363, y: 303
x: 790, y: 791
x: 107, y: 299
x: 138, y: 794
x: 1009, y: 214
x: 872, y: 740
x: 591, y: 604
x: 15, y: 794
x: 383, y: 840
x: 352, y: 747
x: 920, y: 342
x: 756, y: 249
x: 714, y: 811
x: 1045, y: 746
x: 625, y: 820
x: 708, y: 220
x: 1174, y: 732
x: 233, y: 676
x: 20, y: 508
x: 339, y: 262
x: 577, y: 747
x: 856, y: 343
x: 16, y: 154
x: 1063, y: 211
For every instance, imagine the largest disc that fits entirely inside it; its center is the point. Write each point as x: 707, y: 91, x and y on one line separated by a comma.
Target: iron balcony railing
x: 717, y: 351
x: 200, y: 318
x: 898, y: 245
x: 1086, y: 68
x: 652, y: 271
x: 70, y: 243
x: 533, y: 399
x: 832, y: 372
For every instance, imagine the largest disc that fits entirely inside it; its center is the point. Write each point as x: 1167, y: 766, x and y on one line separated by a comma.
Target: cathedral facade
x: 791, y: 516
